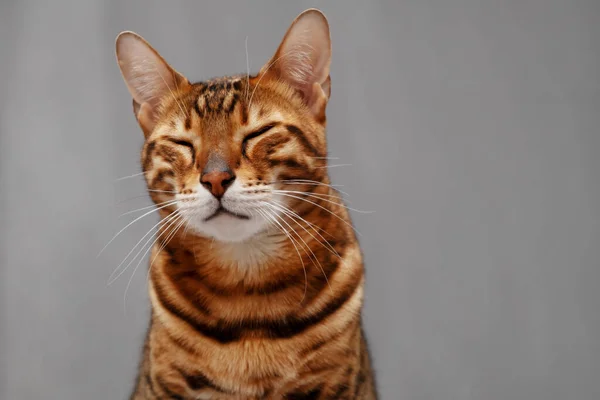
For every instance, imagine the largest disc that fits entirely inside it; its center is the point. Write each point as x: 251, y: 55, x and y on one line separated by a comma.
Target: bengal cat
x: 256, y: 283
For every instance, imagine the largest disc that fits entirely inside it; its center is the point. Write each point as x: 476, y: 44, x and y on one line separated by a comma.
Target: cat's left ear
x: 303, y: 59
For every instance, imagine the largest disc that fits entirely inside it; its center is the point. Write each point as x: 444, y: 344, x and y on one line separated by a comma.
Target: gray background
x: 472, y: 128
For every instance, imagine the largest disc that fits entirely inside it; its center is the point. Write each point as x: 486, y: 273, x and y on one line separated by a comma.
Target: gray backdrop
x: 472, y: 128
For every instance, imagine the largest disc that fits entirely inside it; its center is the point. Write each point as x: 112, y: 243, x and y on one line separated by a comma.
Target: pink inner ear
x: 145, y: 116
x: 327, y: 87
x: 305, y: 54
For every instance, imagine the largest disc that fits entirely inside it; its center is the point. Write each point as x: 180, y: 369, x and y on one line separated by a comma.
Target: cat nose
x: 217, y: 182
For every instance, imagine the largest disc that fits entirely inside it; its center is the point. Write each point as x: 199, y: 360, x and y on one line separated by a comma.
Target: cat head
x: 229, y: 156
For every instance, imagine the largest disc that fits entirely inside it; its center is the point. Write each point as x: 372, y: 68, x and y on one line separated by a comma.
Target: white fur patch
x: 201, y: 205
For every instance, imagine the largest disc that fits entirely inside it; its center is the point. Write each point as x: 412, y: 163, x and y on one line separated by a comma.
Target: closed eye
x: 185, y: 143
x: 181, y: 142
x: 254, y: 134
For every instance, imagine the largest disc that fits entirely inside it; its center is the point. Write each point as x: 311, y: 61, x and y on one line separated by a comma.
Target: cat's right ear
x: 148, y: 77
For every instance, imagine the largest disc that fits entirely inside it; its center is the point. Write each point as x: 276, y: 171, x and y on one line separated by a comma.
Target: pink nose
x: 217, y: 182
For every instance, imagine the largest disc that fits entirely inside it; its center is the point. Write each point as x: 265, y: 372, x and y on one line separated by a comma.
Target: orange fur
x: 274, y: 314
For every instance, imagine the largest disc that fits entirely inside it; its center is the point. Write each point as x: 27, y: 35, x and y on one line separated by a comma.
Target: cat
x: 256, y: 280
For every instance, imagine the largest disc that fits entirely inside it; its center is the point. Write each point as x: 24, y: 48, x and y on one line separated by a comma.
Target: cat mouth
x: 223, y: 211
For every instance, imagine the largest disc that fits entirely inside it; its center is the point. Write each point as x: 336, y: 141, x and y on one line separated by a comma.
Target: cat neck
x: 312, y: 246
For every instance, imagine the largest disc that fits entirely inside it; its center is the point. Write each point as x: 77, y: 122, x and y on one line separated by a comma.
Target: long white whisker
x: 163, y: 191
x: 334, y: 165
x: 295, y: 217
x: 144, y: 195
x: 137, y: 266
x: 338, y: 194
x: 305, y: 193
x: 329, y: 201
x: 188, y: 226
x: 307, y: 181
x: 247, y: 69
x: 165, y: 220
x: 315, y: 227
x: 130, y: 176
x: 148, y: 207
x: 128, y: 225
x: 308, y: 247
x: 186, y: 229
x: 311, y: 183
x: 131, y: 198
x: 293, y: 241
x: 167, y: 240
x: 329, y: 211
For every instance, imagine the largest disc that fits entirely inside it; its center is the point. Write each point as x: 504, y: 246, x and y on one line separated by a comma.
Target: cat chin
x: 228, y: 228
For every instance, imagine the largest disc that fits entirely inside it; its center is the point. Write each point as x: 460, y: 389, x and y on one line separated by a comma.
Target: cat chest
x: 249, y: 367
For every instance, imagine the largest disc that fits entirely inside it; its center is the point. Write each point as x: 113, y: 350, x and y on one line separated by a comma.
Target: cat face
x: 228, y: 157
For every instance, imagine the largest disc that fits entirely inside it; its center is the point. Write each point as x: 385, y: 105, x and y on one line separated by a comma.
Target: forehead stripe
x: 301, y: 136
x: 218, y: 96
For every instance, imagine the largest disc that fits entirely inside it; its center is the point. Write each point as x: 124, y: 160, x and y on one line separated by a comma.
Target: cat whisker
x: 307, y: 181
x: 306, y: 247
x: 140, y: 262
x: 247, y: 69
x: 186, y: 229
x: 182, y: 221
x: 146, y: 195
x: 337, y: 196
x: 163, y: 191
x: 286, y: 193
x: 322, y: 243
x: 325, y: 209
x: 130, y: 176
x: 315, y: 227
x: 271, y: 216
x: 148, y: 207
x: 334, y: 166
x: 326, y: 158
x: 306, y: 193
x: 311, y: 183
x: 128, y: 225
x: 170, y: 236
x: 112, y: 278
x: 297, y: 218
x: 131, y: 198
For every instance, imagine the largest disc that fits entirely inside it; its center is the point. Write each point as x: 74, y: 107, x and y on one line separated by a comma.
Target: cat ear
x: 147, y: 76
x: 303, y: 58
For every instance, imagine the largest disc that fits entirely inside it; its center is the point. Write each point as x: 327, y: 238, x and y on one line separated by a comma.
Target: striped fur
x: 272, y: 311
